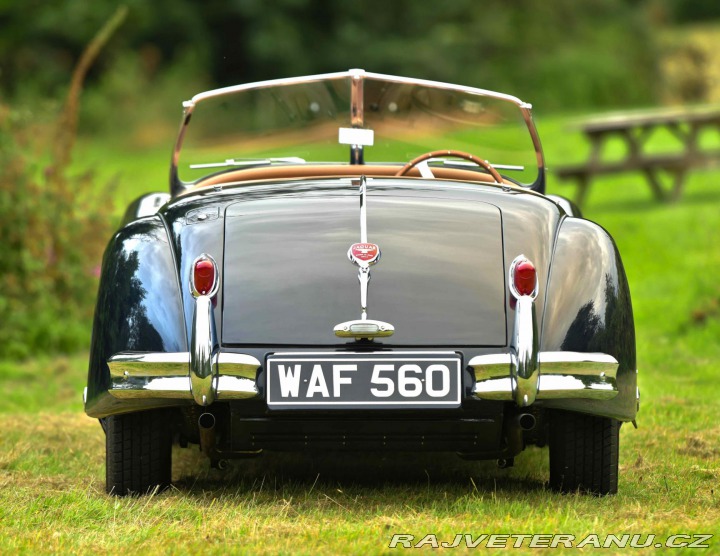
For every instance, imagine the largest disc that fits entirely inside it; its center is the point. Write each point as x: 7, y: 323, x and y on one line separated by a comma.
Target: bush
x: 690, y: 65
x: 53, y: 228
x: 53, y: 225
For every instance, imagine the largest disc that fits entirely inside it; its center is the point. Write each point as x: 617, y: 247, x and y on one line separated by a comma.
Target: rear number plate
x: 400, y: 380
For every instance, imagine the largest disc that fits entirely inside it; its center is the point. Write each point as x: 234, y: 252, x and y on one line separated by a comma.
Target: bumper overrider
x: 205, y: 374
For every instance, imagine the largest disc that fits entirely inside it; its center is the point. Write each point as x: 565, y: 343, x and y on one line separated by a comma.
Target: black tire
x: 138, y: 457
x: 584, y: 453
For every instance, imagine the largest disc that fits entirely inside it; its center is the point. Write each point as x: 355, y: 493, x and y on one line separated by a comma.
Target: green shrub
x: 53, y: 228
x: 53, y: 224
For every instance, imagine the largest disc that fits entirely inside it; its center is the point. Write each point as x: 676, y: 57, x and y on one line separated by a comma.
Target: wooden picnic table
x: 635, y: 130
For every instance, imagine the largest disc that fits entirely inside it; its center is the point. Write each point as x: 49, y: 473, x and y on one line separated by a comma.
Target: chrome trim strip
x: 383, y: 329
x: 364, y: 270
x: 165, y: 375
x: 353, y: 73
x: 203, y: 351
x: 403, y: 352
x: 524, y: 369
x: 561, y: 374
x: 490, y: 366
x: 590, y: 364
x: 363, y: 267
x: 357, y: 114
x: 268, y: 83
x: 237, y: 365
x: 132, y: 364
x: 524, y: 352
x: 495, y: 389
x: 552, y: 387
x: 447, y: 162
x: 344, y: 329
x: 152, y: 387
x: 363, y: 209
x: 233, y: 387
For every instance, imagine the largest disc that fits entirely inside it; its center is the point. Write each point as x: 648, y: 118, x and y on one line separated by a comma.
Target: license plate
x: 400, y: 380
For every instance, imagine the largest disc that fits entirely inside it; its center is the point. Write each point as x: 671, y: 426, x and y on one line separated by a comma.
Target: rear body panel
x: 464, y: 252
x: 286, y: 281
x: 440, y: 280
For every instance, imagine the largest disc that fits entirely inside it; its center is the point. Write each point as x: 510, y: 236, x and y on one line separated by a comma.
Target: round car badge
x: 364, y: 254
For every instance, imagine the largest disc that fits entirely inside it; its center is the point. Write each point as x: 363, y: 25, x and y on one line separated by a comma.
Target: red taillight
x: 524, y: 277
x: 204, y: 276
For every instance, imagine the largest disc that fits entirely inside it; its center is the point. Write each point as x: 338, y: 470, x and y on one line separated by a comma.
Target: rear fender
x: 588, y: 309
x: 139, y: 308
x: 143, y: 206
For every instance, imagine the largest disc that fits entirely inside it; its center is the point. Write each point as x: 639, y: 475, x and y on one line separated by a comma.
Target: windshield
x: 321, y: 119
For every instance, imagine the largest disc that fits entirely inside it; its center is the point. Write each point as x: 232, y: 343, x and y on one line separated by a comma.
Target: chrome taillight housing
x: 523, y: 278
x: 204, y: 276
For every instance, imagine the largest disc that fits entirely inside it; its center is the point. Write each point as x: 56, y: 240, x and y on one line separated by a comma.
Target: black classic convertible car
x: 238, y: 312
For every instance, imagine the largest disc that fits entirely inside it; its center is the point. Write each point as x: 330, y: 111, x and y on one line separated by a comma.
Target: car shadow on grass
x: 368, y: 471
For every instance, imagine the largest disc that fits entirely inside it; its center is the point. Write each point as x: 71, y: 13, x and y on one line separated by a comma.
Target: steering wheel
x: 458, y: 154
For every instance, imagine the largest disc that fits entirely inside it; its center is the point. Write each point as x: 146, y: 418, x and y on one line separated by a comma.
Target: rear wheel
x: 138, y: 453
x: 583, y: 453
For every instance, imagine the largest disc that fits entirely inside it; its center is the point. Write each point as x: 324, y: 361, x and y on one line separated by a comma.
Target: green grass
x: 52, y: 457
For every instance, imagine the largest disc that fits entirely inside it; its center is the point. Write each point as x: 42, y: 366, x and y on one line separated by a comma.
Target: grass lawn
x: 52, y: 456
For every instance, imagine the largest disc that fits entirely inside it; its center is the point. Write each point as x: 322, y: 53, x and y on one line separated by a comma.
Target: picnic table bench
x: 634, y: 130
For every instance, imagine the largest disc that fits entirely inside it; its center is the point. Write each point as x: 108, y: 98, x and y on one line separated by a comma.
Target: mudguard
x: 588, y: 309
x: 139, y: 308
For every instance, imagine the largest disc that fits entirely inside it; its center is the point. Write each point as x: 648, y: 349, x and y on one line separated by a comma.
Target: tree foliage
x: 53, y: 225
x: 561, y: 55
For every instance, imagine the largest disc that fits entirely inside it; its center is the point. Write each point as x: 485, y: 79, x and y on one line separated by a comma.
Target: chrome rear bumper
x: 560, y: 374
x: 167, y: 375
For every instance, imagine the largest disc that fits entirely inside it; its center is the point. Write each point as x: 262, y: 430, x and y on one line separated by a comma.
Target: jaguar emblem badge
x: 364, y: 254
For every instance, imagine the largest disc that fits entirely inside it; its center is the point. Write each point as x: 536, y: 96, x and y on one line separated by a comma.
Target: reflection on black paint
x: 127, y: 323
x: 583, y: 330
x: 608, y: 333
